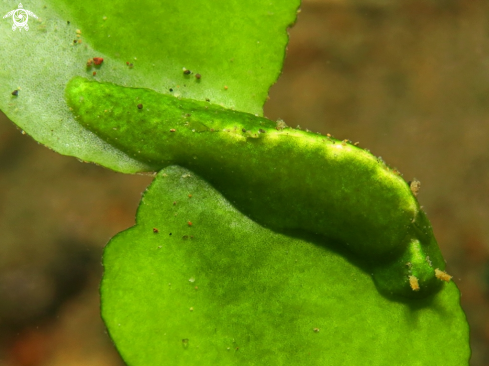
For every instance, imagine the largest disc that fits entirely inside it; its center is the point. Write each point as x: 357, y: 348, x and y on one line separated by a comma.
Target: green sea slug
x: 285, y: 179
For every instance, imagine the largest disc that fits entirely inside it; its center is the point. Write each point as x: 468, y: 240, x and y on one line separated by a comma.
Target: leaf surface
x: 212, y: 287
x: 236, y: 46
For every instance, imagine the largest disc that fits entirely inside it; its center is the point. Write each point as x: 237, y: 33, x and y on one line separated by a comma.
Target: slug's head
x: 419, y: 271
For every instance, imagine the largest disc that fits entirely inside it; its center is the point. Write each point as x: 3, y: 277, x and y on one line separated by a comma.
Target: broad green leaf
x: 195, y: 282
x: 233, y: 44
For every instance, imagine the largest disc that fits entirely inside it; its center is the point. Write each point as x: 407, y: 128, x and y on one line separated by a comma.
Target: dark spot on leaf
x: 140, y: 106
x: 15, y: 92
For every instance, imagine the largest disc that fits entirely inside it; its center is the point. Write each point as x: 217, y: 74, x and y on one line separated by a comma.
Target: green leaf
x: 234, y: 43
x: 225, y: 291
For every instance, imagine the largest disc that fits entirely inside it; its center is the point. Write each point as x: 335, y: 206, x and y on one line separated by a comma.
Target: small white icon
x: 20, y: 17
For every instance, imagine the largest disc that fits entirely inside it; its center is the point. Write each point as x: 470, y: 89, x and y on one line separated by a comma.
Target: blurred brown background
x: 408, y: 79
